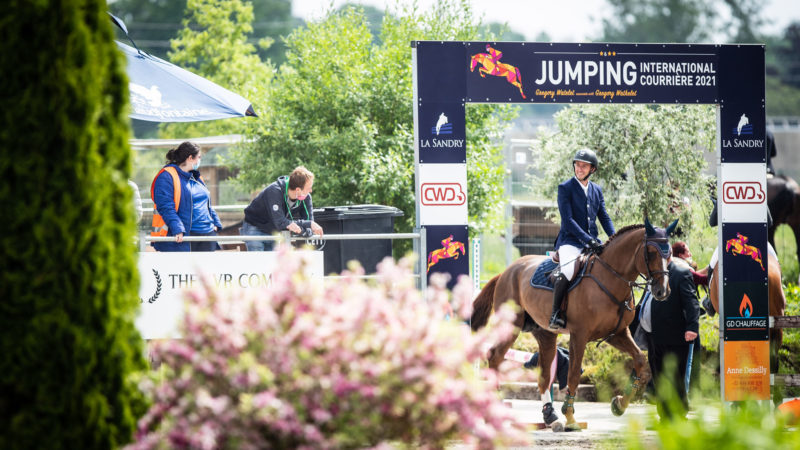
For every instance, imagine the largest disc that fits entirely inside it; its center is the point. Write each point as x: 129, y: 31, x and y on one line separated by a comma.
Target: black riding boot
x: 560, y: 285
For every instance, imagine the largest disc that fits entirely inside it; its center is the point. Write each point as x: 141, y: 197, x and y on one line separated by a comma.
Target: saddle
x: 548, y: 270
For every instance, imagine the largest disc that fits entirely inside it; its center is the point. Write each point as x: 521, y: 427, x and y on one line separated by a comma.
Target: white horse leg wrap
x: 546, y: 397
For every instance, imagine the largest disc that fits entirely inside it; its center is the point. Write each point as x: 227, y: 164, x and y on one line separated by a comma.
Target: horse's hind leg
x: 547, y: 354
x: 624, y: 342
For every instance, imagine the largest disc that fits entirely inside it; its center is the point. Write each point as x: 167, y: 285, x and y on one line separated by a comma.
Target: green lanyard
x: 289, y: 208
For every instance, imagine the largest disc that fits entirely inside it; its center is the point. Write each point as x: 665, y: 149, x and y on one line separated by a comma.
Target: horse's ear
x: 671, y: 227
x: 648, y: 227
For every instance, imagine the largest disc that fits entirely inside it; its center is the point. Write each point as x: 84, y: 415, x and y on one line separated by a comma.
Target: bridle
x: 658, y: 243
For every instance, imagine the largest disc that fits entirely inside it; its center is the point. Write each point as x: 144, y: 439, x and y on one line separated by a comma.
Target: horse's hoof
x: 558, y: 427
x: 616, y: 406
x: 575, y: 426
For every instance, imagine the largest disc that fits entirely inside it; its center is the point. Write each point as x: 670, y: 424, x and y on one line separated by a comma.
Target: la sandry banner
x: 524, y: 72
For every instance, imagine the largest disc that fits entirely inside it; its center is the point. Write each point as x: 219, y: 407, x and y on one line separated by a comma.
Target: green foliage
x: 68, y: 278
x: 341, y: 105
x: 789, y: 362
x: 658, y: 21
x: 153, y: 23
x: 782, y: 99
x: 786, y: 248
x: 651, y: 159
x: 682, y: 20
x: 744, y: 425
x: 214, y: 43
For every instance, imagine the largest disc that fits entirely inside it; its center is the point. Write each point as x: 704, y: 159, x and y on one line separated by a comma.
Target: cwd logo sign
x: 441, y: 194
x: 743, y: 192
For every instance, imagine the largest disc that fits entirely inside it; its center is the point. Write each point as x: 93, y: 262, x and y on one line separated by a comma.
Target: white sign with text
x: 164, y: 276
x: 443, y: 194
x: 744, y: 192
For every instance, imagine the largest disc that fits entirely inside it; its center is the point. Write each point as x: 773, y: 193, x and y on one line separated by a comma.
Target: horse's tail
x: 519, y: 74
x: 482, y: 305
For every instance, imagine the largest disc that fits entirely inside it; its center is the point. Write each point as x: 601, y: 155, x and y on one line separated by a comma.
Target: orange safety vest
x: 159, y: 227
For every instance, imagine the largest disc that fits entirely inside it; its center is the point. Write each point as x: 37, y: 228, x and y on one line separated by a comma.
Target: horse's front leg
x: 624, y: 342
x: 483, y: 71
x: 577, y: 346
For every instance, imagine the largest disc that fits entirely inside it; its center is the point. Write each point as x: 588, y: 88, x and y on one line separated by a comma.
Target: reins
x: 622, y: 305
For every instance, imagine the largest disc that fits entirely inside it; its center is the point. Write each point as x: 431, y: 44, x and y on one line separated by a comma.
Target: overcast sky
x: 562, y: 20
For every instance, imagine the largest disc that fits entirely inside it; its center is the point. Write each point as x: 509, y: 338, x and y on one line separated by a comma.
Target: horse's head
x: 655, y: 256
x: 474, y: 62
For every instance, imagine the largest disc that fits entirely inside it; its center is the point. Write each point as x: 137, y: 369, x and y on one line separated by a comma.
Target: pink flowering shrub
x: 340, y: 365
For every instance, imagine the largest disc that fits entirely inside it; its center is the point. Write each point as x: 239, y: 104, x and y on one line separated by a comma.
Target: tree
x: 341, y: 105
x: 690, y: 21
x: 658, y: 21
x: 651, y: 159
x: 152, y: 24
x: 214, y: 43
x: 68, y: 275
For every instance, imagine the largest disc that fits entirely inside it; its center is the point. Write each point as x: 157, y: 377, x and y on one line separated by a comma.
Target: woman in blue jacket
x: 194, y: 215
x: 581, y: 205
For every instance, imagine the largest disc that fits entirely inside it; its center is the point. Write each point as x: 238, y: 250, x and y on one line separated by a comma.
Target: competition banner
x: 165, y: 276
x: 448, y: 251
x: 591, y: 73
x: 442, y: 138
x: 746, y: 370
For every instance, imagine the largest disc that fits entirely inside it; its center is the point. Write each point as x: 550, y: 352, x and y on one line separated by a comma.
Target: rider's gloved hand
x: 594, y: 245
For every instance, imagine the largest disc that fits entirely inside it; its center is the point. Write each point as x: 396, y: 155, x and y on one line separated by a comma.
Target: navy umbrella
x: 163, y: 92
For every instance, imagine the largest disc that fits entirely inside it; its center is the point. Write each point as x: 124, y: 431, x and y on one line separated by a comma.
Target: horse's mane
x: 622, y: 230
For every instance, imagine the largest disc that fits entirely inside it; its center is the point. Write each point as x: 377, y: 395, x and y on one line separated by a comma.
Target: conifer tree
x: 68, y: 278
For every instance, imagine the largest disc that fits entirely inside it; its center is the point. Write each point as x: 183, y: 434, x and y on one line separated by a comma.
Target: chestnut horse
x: 601, y: 306
x: 777, y: 306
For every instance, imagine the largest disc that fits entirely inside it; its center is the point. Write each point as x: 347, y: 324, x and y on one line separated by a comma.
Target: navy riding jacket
x: 580, y: 212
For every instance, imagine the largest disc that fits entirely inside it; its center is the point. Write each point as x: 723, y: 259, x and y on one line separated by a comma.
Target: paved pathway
x: 602, y: 425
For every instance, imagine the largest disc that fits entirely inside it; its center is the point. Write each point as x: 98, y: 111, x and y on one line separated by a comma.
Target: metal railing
x: 418, y: 237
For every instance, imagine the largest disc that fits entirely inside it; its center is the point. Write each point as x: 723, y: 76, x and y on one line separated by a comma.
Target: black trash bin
x: 356, y: 219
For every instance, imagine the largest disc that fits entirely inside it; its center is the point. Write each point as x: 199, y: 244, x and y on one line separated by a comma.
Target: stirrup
x: 556, y: 321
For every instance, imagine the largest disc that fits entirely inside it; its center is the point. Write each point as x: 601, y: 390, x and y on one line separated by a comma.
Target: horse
x: 777, y: 306
x: 491, y: 66
x: 600, y: 306
x: 783, y: 200
x: 739, y: 246
x: 449, y: 250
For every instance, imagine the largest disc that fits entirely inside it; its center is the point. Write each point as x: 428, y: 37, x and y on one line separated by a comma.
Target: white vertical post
x: 476, y: 265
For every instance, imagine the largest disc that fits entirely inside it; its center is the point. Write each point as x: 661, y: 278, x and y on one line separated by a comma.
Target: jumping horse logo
x: 490, y: 65
x: 739, y: 246
x: 449, y: 249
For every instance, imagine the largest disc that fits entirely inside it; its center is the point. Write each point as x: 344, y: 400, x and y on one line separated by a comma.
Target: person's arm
x: 689, y: 305
x: 602, y: 214
x: 315, y: 228
x: 565, y: 209
x: 164, y: 198
x: 277, y: 214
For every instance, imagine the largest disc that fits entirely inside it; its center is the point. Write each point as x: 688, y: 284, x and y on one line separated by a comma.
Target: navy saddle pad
x: 541, y: 278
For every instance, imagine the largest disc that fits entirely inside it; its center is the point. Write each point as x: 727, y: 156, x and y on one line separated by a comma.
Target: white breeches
x: 567, y: 254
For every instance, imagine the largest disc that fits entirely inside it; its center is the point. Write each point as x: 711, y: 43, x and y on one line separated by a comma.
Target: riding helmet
x: 586, y: 155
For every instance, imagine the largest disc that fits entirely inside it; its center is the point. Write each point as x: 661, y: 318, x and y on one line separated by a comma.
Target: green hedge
x: 68, y: 279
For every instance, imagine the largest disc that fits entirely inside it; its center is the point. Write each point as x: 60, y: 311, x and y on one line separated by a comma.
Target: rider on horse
x: 580, y: 204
